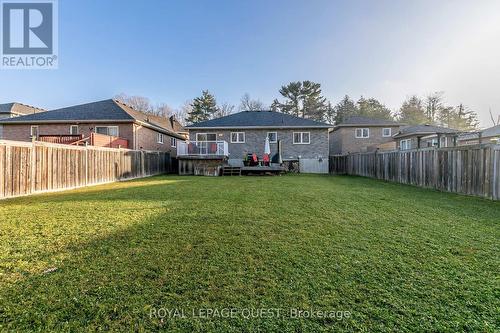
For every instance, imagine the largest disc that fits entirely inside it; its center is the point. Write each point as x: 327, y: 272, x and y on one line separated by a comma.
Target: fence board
x: 27, y: 168
x: 472, y: 170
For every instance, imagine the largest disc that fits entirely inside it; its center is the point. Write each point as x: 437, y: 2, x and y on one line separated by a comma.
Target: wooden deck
x: 201, y: 157
x: 262, y: 170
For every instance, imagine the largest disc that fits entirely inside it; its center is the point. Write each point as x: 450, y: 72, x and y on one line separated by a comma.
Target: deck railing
x: 65, y: 139
x: 203, y: 148
x: 95, y: 139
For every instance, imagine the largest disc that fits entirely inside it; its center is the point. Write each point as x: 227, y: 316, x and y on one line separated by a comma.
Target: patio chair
x: 265, y: 160
x: 254, y: 160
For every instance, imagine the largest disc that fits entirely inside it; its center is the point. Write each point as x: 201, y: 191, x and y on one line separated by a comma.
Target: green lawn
x: 391, y: 257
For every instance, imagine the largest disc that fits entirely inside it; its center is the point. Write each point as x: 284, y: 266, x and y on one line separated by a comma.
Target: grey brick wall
x: 255, y: 140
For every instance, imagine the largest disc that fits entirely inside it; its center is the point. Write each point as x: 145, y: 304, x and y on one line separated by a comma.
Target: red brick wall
x: 139, y: 137
x: 21, y: 132
x: 147, y: 139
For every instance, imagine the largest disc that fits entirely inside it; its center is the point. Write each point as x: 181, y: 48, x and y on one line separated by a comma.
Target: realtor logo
x: 29, y: 34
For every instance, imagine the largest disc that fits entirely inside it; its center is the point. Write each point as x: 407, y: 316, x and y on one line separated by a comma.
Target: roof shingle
x: 259, y: 119
x: 424, y: 129
x: 106, y: 110
x: 19, y: 108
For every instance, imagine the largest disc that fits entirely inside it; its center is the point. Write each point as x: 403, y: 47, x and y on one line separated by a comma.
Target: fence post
x: 86, y: 163
x: 142, y: 164
x: 33, y: 166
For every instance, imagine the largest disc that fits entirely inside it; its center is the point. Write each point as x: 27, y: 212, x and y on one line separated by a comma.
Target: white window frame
x: 37, y: 131
x: 388, y: 135
x: 173, y: 142
x: 238, y: 138
x: 207, y: 134
x: 106, y: 127
x: 159, y: 138
x: 107, y: 130
x: 407, y: 144
x: 444, y: 142
x: 71, y: 129
x: 117, y: 130
x: 362, y: 136
x: 301, y: 142
x: 275, y: 134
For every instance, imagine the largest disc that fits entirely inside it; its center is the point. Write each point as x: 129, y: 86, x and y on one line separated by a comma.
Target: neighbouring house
x: 10, y: 110
x: 361, y: 134
x: 489, y: 135
x: 107, y: 123
x: 302, y: 142
x: 424, y: 136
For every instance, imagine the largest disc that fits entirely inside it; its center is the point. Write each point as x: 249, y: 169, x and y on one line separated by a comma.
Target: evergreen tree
x: 302, y: 99
x: 314, y: 105
x: 291, y: 92
x: 460, y: 118
x: 344, y: 109
x: 373, y: 108
x: 202, y: 108
x: 412, y: 112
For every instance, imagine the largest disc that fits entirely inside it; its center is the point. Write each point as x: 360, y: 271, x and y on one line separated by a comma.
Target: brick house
x: 361, y: 134
x: 488, y: 135
x: 301, y: 140
x: 106, y: 118
x: 424, y: 136
x: 11, y: 110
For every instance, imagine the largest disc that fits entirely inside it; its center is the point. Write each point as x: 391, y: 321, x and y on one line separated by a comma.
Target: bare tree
x: 224, y: 109
x: 248, y: 104
x: 139, y: 103
x: 143, y: 104
x: 163, y: 110
x: 433, y: 105
x: 182, y: 112
x: 495, y: 122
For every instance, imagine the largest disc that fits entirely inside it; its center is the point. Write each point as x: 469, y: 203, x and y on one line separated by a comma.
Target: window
x: 386, y: 132
x: 1, y: 131
x: 206, y: 137
x: 113, y: 130
x: 237, y: 137
x: 301, y: 138
x: 107, y: 130
x: 405, y: 144
x: 444, y: 142
x: 34, y: 131
x: 159, y: 138
x: 273, y: 137
x: 73, y: 130
x: 434, y: 142
x: 173, y: 142
x: 362, y: 133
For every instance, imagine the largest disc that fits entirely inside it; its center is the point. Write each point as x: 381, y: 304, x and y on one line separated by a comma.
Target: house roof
x: 109, y: 110
x: 424, y: 130
x: 367, y: 121
x: 492, y: 131
x: 259, y: 119
x: 19, y: 108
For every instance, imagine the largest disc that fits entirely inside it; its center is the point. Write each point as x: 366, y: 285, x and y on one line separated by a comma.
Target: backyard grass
x: 117, y: 256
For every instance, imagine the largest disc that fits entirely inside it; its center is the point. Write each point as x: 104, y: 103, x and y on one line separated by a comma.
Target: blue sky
x: 170, y: 50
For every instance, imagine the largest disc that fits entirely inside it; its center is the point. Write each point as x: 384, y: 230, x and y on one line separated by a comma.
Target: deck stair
x: 231, y: 171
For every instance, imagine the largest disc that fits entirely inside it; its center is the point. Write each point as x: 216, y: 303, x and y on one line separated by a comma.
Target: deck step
x: 231, y: 171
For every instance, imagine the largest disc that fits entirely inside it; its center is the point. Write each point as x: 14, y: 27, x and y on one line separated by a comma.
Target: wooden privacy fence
x: 27, y: 168
x: 471, y: 170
